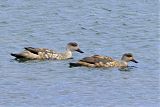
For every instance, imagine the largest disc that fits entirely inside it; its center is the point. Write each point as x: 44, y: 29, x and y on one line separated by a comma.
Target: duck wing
x: 37, y: 50
x: 97, y: 59
x: 93, y: 61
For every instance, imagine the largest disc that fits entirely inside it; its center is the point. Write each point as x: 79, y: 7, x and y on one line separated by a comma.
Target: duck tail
x: 17, y: 55
x: 74, y: 65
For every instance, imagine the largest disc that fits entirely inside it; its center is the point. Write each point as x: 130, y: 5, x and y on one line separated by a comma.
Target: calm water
x: 106, y: 27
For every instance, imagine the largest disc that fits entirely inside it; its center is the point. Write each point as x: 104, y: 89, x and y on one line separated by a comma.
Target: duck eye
x: 73, y: 44
x: 129, y: 55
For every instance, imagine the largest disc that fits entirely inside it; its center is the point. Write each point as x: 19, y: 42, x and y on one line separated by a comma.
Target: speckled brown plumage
x: 104, y: 61
x: 44, y: 53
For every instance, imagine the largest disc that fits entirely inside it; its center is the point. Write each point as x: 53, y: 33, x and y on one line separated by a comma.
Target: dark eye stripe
x: 73, y: 44
x: 128, y: 55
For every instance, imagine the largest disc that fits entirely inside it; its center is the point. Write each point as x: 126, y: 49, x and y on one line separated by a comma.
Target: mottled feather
x: 104, y: 61
x: 44, y: 53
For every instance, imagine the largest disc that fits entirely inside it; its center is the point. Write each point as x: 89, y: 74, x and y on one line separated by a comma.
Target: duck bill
x: 133, y: 60
x: 78, y: 50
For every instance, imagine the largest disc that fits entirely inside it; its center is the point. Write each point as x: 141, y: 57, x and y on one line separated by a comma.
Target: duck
x: 98, y: 61
x: 32, y: 53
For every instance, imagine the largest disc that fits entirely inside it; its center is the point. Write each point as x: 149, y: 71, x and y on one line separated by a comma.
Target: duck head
x: 73, y: 46
x: 128, y: 57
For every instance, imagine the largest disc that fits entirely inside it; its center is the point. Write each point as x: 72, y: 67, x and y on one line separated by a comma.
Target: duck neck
x: 68, y: 53
x: 124, y: 62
